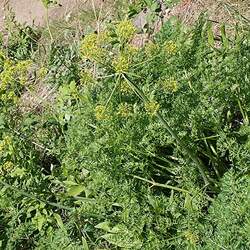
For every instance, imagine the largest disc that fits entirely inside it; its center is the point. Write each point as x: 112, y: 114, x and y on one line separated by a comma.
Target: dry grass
x: 37, y: 99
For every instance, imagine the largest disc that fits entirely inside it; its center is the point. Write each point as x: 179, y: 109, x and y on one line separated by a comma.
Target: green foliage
x: 22, y: 40
x: 230, y: 214
x: 48, y: 3
x: 144, y: 148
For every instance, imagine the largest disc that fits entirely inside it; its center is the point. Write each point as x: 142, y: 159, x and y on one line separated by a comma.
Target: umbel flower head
x: 123, y: 60
x: 42, y: 72
x: 125, y: 30
x: 100, y: 113
x: 121, y: 64
x: 170, y: 85
x: 14, y: 72
x: 22, y: 71
x: 125, y: 88
x: 130, y: 50
x: 13, y: 77
x: 8, y: 166
x: 91, y: 47
x: 152, y: 107
x: 170, y: 47
x: 191, y: 237
x: 5, y: 143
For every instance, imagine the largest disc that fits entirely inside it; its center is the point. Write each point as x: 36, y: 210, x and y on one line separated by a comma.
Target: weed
x: 143, y: 148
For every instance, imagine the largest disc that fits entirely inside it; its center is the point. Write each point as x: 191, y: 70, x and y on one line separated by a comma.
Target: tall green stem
x: 156, y: 184
x: 48, y: 25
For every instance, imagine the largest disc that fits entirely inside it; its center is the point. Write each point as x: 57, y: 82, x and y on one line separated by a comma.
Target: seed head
x: 87, y: 78
x: 8, y: 166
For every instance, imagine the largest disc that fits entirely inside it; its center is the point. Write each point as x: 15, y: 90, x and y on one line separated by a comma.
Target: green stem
x: 156, y: 184
x: 48, y: 25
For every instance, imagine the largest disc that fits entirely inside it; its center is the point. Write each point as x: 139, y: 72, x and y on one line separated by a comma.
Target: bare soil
x: 32, y: 12
x: 224, y: 11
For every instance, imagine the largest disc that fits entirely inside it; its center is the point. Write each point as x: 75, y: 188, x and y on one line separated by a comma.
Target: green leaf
x: 70, y: 183
x: 18, y: 172
x: 85, y: 244
x: 210, y: 35
x: 47, y: 3
x: 155, y: 7
x: 75, y: 190
x: 225, y: 41
x: 40, y: 220
x: 104, y: 226
x: 188, y: 202
x: 59, y: 220
x: 128, y: 242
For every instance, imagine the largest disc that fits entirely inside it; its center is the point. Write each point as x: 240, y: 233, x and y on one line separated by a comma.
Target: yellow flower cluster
x: 6, y: 142
x: 104, y: 37
x: 152, y: 107
x: 12, y: 78
x: 170, y: 85
x: 125, y: 88
x: 125, y: 30
x: 21, y: 71
x: 7, y: 167
x: 7, y: 76
x: 170, y: 47
x: 123, y: 61
x: 91, y: 47
x: 100, y: 113
x: 191, y: 237
x: 124, y: 110
x: 9, y: 97
x: 121, y: 64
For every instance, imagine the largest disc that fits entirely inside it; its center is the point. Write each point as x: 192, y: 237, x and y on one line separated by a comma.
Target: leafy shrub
x: 146, y: 148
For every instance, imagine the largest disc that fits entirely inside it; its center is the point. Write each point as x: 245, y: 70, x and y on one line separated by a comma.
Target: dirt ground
x: 33, y: 12
x: 226, y: 11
